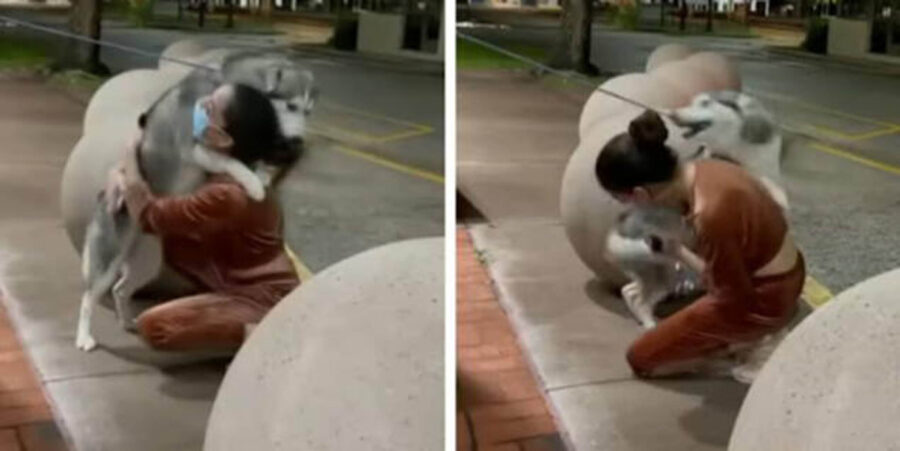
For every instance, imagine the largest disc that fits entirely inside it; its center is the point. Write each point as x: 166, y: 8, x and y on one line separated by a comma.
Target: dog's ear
x: 310, y: 98
x: 756, y: 129
x: 273, y: 79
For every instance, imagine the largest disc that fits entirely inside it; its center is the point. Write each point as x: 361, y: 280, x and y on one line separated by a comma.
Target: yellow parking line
x: 299, y: 267
x: 376, y: 116
x: 875, y: 134
x: 815, y: 294
x: 858, y: 136
x: 402, y: 135
x: 414, y: 171
x: 853, y: 157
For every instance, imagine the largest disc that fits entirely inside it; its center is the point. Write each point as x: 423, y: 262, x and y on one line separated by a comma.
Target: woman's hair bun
x: 648, y: 131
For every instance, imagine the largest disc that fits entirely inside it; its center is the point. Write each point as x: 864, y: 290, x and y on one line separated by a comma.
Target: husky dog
x: 736, y: 127
x: 118, y: 259
x: 635, y: 242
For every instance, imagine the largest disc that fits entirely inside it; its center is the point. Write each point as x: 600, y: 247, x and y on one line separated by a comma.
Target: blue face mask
x: 201, y: 121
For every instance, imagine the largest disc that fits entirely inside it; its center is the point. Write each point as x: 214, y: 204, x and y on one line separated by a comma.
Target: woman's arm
x: 209, y: 208
x: 690, y: 259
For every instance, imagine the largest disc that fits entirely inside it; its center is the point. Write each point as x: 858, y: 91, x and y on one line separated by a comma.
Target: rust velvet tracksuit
x: 229, y: 245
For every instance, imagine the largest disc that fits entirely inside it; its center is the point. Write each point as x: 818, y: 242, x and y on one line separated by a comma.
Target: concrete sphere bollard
x: 721, y: 71
x: 186, y: 49
x: 640, y: 87
x: 121, y: 99
x: 351, y: 360
x: 588, y: 211
x: 832, y: 383
x: 686, y: 78
x: 666, y: 54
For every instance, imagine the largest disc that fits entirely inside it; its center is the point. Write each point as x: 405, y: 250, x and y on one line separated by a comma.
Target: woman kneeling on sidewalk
x: 753, y: 272
x: 225, y: 242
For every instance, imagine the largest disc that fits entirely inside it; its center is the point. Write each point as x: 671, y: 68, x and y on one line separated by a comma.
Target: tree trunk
x: 709, y: 15
x: 575, y: 44
x: 201, y: 13
x: 662, y: 13
x: 180, y: 11
x: 682, y: 14
x: 84, y: 19
x: 229, y: 18
x: 266, y: 8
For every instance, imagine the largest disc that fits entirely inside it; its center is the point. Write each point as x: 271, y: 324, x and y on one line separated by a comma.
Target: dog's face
x: 287, y: 84
x: 290, y: 88
x: 725, y: 120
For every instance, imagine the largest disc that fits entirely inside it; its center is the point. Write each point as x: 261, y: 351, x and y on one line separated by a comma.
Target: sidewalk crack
x: 583, y: 384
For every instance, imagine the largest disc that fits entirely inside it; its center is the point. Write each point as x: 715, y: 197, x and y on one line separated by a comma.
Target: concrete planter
x: 380, y: 33
x: 848, y: 37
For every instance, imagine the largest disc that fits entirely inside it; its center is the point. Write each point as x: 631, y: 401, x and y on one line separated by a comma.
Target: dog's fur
x: 736, y: 127
x: 118, y: 259
x: 635, y: 241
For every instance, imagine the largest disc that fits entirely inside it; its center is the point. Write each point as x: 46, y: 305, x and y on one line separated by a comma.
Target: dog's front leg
x: 140, y: 268
x: 639, y: 303
x: 83, y: 338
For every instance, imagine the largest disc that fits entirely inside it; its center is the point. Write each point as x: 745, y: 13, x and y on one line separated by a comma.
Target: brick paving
x: 501, y: 407
x: 26, y: 421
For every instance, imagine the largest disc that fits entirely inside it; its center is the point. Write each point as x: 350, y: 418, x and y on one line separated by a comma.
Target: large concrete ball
x: 667, y: 53
x: 641, y: 87
x: 186, y: 49
x: 720, y: 69
x: 121, y: 99
x: 587, y: 210
x: 832, y: 383
x: 352, y: 359
x: 686, y: 78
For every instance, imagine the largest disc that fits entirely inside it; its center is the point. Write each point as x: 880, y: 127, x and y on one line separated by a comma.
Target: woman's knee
x: 155, y: 330
x: 640, y: 362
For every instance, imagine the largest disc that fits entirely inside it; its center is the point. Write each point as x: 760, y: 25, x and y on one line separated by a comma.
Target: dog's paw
x: 85, y: 342
x: 648, y: 324
x: 255, y: 187
x: 745, y: 373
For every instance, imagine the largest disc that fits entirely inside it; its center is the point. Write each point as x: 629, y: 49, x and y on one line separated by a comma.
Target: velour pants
x: 709, y: 326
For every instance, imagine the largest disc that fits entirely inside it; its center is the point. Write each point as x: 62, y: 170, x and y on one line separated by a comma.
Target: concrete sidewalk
x: 515, y: 136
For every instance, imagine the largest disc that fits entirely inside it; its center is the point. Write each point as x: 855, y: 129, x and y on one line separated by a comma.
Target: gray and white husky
x: 118, y: 259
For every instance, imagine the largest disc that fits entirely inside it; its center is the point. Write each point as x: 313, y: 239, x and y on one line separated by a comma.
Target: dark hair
x: 638, y: 157
x: 253, y: 125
